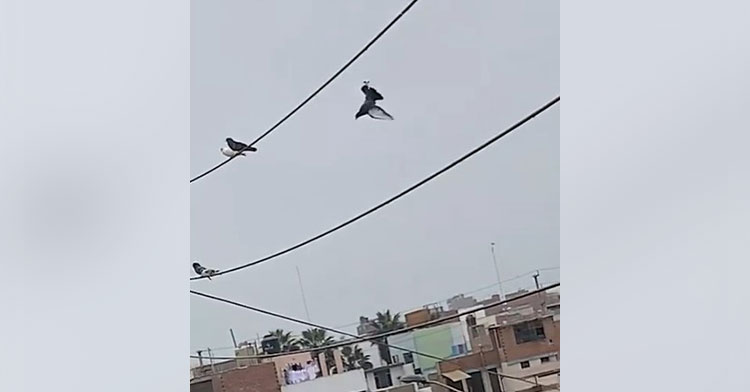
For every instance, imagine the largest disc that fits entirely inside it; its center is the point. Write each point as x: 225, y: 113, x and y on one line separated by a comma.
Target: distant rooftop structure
x: 365, y: 326
x: 458, y: 302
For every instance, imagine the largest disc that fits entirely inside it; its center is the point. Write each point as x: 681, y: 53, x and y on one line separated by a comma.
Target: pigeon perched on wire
x: 369, y: 107
x: 235, y: 147
x: 203, y: 271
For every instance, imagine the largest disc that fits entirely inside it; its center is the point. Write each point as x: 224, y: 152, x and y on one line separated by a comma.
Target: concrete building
x: 351, y: 381
x: 425, y: 314
x: 365, y: 327
x: 254, y: 378
x: 269, y: 376
x: 388, y: 376
x: 460, y: 301
x: 527, y: 348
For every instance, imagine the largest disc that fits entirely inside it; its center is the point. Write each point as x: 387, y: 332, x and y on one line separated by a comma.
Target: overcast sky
x: 453, y: 74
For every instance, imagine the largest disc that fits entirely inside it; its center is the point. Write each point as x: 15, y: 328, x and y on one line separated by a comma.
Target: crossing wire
x: 316, y: 92
x: 377, y: 338
x: 394, y: 198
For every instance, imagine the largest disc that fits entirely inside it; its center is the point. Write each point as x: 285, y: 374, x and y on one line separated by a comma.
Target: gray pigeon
x: 235, y: 147
x: 369, y: 107
x: 203, y: 271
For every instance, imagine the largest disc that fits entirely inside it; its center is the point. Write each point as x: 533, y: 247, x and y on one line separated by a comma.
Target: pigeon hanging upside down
x: 369, y: 107
x: 235, y: 147
x: 203, y: 271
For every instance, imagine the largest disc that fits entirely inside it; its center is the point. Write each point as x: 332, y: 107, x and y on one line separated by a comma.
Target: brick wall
x: 512, y: 351
x: 257, y: 378
x: 202, y: 386
x: 471, y: 362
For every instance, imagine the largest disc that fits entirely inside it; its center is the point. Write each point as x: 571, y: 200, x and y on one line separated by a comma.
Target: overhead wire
x: 394, y: 198
x: 376, y: 338
x: 475, y: 290
x: 311, y: 96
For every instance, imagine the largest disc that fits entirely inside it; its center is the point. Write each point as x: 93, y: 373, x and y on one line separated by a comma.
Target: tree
x: 355, y: 358
x: 385, y: 322
x: 315, y: 338
x: 287, y: 342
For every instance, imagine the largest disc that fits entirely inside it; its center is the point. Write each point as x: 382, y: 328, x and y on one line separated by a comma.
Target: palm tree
x: 315, y: 338
x: 355, y: 358
x: 287, y: 342
x: 385, y: 322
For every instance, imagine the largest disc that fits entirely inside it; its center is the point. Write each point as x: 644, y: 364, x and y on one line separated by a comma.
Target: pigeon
x: 235, y: 147
x: 369, y: 107
x: 203, y: 271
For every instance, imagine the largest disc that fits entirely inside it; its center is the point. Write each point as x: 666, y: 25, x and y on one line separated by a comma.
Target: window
x: 455, y: 384
x: 475, y: 332
x: 408, y: 358
x: 475, y: 382
x: 417, y: 371
x: 383, y: 379
x: 545, y: 359
x: 458, y: 349
x: 530, y: 331
x: 495, y: 380
x: 525, y: 364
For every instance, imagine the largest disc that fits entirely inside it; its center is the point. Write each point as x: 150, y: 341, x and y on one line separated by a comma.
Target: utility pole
x: 200, y: 358
x: 233, y: 339
x: 536, y: 279
x: 211, y: 360
x: 497, y: 271
x: 302, y: 290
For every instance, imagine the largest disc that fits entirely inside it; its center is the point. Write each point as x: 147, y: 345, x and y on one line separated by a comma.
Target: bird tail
x: 379, y: 113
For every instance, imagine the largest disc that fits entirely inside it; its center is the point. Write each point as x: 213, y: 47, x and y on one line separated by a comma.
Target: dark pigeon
x: 369, y: 107
x: 239, y: 146
x: 203, y: 271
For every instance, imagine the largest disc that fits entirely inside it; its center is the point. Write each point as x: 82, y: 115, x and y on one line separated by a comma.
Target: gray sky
x: 453, y: 74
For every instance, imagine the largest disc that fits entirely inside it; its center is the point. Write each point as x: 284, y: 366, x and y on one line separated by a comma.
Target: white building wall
x: 536, y: 366
x: 405, y: 340
x: 351, y: 381
x: 396, y: 373
x: 372, y: 351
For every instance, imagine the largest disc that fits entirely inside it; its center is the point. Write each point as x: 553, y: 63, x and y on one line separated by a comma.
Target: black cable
x: 475, y: 290
x: 373, y: 338
x: 308, y: 99
x: 394, y: 198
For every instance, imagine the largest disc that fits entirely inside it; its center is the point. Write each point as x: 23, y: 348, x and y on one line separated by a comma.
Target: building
x: 460, y: 301
x: 527, y: 349
x: 351, y: 381
x: 271, y: 375
x: 425, y: 314
x: 444, y: 340
x: 253, y: 378
x: 365, y: 327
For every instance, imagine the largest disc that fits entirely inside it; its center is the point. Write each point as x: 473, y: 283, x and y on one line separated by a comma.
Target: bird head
x: 229, y: 139
x: 196, y: 265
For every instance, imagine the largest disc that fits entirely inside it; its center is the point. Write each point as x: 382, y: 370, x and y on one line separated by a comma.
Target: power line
x: 473, y: 291
x: 394, y: 198
x: 316, y: 92
x: 385, y: 334
x: 373, y: 338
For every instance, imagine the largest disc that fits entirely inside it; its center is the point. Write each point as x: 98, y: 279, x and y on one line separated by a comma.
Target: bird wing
x: 371, y: 94
x: 365, y: 108
x: 198, y: 268
x: 236, y: 146
x: 377, y: 112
